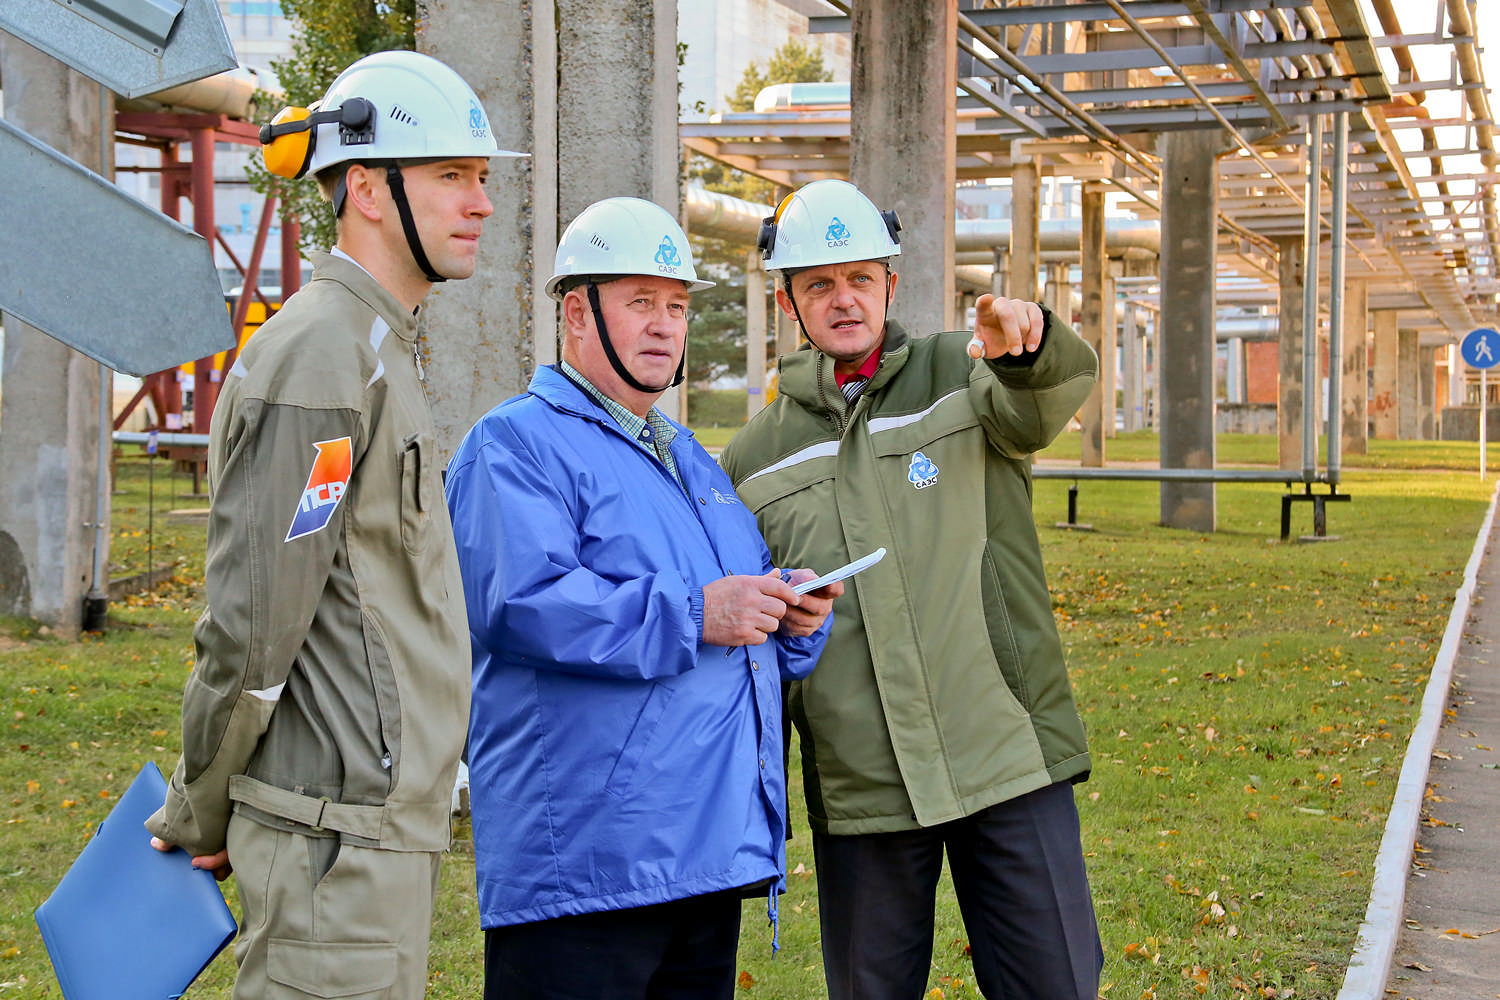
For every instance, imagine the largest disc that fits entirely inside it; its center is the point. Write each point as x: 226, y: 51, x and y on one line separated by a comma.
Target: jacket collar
x: 806, y: 375
x: 327, y: 267
x: 558, y: 391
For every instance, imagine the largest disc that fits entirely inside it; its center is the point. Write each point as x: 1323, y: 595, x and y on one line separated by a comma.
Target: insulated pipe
x: 1058, y: 236
x: 725, y: 217
x: 230, y: 93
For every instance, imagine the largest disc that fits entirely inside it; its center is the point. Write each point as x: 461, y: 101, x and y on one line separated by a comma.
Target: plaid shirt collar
x: 654, y: 433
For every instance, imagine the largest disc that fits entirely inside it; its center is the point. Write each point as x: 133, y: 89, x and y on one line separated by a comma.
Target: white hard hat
x: 827, y: 222
x: 619, y: 236
x: 421, y: 109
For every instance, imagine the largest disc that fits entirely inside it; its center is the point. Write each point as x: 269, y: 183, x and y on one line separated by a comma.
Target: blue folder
x: 128, y: 922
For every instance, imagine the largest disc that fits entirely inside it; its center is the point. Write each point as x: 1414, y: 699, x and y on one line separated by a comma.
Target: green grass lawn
x: 1248, y: 704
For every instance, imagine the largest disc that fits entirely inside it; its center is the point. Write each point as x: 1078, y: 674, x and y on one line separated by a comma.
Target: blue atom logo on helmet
x: 667, y: 254
x: 477, y: 122
x: 838, y: 233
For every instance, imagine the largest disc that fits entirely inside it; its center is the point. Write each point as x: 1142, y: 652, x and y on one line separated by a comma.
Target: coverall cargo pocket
x: 416, y: 504
x: 331, y: 968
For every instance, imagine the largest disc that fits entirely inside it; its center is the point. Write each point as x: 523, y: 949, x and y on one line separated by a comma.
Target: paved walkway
x: 1449, y: 948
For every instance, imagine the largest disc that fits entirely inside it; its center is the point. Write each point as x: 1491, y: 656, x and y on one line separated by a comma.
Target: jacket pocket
x: 633, y: 751
x: 416, y: 495
x: 331, y: 968
x: 1002, y: 634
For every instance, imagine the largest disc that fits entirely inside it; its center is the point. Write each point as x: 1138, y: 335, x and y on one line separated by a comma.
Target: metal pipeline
x: 230, y: 93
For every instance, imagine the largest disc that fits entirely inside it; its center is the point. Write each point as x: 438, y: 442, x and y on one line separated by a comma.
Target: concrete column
x: 50, y: 414
x: 1455, y: 366
x: 1289, y: 390
x: 1234, y: 370
x: 1186, y: 358
x: 755, y: 334
x: 902, y: 155
x: 1408, y: 386
x: 1134, y: 368
x: 1025, y: 227
x: 540, y: 75
x: 1000, y: 283
x: 1354, y: 434
x: 1426, y: 393
x: 1092, y: 414
x: 1058, y: 293
x: 1384, y: 412
x: 1109, y: 350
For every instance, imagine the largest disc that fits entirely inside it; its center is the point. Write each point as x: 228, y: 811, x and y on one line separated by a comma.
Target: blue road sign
x: 1481, y: 348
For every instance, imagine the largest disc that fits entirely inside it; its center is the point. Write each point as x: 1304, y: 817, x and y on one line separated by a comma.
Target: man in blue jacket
x: 630, y: 637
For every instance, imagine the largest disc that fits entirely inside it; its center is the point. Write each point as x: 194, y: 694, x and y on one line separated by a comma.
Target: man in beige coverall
x: 325, y: 716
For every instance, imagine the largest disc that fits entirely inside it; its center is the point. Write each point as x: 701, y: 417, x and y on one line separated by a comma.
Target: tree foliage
x: 716, y: 335
x: 328, y: 36
x: 795, y: 62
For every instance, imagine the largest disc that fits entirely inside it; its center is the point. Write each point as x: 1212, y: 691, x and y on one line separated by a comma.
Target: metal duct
x: 722, y: 216
x: 230, y: 93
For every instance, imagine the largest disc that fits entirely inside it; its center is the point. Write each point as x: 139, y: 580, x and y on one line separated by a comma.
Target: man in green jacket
x: 941, y: 717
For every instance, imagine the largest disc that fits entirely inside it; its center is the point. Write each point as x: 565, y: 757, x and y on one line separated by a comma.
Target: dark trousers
x: 1019, y: 876
x: 682, y: 950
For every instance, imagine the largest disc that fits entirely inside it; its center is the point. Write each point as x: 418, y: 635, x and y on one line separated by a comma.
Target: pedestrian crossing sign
x: 1481, y: 348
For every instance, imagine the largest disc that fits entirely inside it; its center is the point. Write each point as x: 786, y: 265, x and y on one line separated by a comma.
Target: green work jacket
x: 943, y: 688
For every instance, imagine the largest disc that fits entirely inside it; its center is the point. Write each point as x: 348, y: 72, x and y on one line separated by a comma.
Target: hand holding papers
x: 842, y: 573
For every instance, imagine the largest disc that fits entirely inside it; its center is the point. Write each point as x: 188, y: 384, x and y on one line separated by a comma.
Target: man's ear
x: 361, y: 185
x: 785, y: 302
x: 890, y: 287
x: 575, y: 311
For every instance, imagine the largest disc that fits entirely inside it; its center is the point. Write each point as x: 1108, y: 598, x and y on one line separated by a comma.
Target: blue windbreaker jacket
x: 614, y: 760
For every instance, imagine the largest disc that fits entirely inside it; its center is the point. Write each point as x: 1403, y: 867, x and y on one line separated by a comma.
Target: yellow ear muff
x: 287, y: 143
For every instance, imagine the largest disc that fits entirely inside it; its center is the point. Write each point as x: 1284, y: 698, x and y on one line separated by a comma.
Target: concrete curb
x: 1369, y: 965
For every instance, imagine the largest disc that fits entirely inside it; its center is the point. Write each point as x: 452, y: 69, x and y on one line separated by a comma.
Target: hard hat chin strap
x: 394, y: 181
x: 614, y: 358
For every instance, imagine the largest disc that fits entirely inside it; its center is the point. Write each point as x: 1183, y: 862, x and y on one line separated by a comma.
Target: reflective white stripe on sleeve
x: 827, y: 449
x: 879, y: 424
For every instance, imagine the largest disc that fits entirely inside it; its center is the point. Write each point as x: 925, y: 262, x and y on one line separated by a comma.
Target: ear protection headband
x: 765, y: 240
x: 292, y: 136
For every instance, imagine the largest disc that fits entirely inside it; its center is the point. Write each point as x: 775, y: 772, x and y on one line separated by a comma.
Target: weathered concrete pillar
x: 1427, y: 393
x: 1186, y: 357
x: 50, y: 424
x: 1000, y: 281
x: 1408, y: 386
x: 1133, y: 362
x: 755, y: 334
x: 902, y: 153
x: 1234, y: 370
x: 1289, y: 389
x: 591, y: 92
x: 1025, y: 227
x: 1384, y: 411
x: 1354, y: 436
x: 1058, y: 293
x: 1092, y: 414
x: 1109, y: 348
x: 1455, y: 366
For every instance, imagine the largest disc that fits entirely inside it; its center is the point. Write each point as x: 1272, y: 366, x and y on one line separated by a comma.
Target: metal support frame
x: 1287, y: 477
x: 166, y: 132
